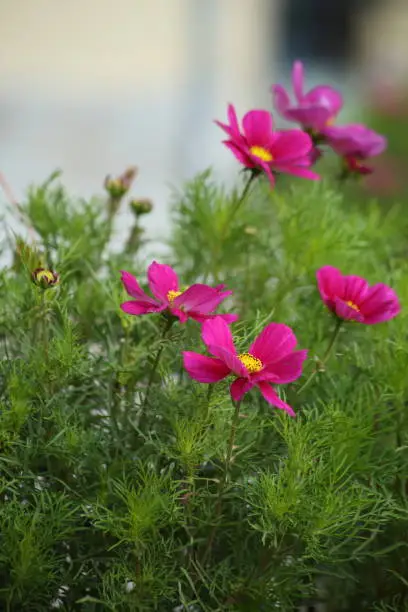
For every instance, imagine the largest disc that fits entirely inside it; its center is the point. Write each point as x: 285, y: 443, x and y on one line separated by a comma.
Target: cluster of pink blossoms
x: 260, y: 148
x: 271, y: 359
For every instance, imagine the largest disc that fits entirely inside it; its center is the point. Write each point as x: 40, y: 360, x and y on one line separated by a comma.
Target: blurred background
x: 93, y: 86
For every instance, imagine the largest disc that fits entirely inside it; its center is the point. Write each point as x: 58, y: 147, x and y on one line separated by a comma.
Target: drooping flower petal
x: 239, y: 387
x: 162, y: 279
x: 204, y: 369
x: 272, y: 397
x: 274, y: 342
x: 139, y: 307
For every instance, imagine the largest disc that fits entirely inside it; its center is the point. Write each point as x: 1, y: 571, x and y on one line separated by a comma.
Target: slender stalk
x: 166, y: 329
x: 223, y: 482
x: 224, y: 227
x: 326, y: 356
x: 240, y: 200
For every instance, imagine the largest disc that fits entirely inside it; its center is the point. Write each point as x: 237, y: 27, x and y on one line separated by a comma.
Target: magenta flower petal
x: 347, y: 312
x: 284, y: 371
x: 239, y: 387
x: 204, y: 369
x: 297, y: 79
x: 355, y: 140
x: 274, y: 342
x: 326, y: 97
x: 290, y: 145
x: 311, y: 117
x: 281, y: 98
x: 257, y: 126
x: 201, y: 298
x: 314, y: 109
x: 228, y: 318
x: 330, y: 283
x: 243, y: 157
x: 216, y: 332
x: 272, y: 397
x: 355, y: 289
x: 138, y: 307
x: 380, y: 304
x: 162, y: 279
x: 298, y: 171
x: 133, y: 288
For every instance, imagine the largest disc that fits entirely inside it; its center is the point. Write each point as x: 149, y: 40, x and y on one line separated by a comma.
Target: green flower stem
x: 326, y: 356
x: 240, y: 201
x: 224, y: 480
x: 166, y: 329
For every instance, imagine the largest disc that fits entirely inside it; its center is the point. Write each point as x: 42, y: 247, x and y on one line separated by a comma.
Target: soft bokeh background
x: 92, y: 86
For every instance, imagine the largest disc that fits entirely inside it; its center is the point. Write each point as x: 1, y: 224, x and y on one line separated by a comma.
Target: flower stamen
x: 262, y: 153
x: 172, y: 295
x: 252, y: 364
x: 353, y: 305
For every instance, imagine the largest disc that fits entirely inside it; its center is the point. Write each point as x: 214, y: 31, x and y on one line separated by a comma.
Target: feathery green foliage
x: 105, y: 506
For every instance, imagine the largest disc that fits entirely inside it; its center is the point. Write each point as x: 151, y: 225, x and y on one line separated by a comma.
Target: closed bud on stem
x: 141, y: 207
x: 45, y: 279
x: 118, y: 187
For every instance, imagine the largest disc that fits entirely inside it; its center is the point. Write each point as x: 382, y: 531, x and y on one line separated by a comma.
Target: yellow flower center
x: 353, y: 306
x: 261, y: 153
x: 252, y: 364
x: 331, y: 120
x: 172, y: 295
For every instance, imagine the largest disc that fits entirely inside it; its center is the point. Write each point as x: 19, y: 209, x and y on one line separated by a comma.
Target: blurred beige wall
x: 383, y: 34
x: 79, y: 47
x: 91, y: 86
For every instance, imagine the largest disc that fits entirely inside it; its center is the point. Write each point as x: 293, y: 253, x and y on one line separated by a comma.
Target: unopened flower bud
x: 45, y: 278
x: 141, y: 207
x: 118, y: 187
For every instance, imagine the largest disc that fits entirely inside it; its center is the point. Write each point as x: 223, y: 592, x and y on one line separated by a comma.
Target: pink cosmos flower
x: 355, y: 142
x: 315, y: 109
x: 271, y: 359
x: 197, y: 302
x: 259, y: 148
x: 351, y: 298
